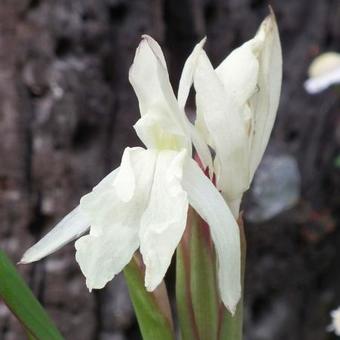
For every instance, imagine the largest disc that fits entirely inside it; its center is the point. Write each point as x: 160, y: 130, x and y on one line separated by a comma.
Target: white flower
x: 335, y: 325
x: 323, y: 72
x: 143, y: 204
x: 236, y: 108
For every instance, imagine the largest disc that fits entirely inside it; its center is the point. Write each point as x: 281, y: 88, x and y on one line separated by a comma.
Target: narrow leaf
x: 21, y: 301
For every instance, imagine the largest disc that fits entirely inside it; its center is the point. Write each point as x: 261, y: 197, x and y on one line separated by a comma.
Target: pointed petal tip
x: 231, y: 303
x: 27, y: 258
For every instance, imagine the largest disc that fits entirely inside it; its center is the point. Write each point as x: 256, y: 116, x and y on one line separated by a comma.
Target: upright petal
x: 69, y: 228
x: 164, y: 219
x: 209, y: 204
x: 185, y: 84
x: 219, y: 116
x: 239, y: 72
x: 187, y: 76
x: 115, y: 221
x: 265, y: 103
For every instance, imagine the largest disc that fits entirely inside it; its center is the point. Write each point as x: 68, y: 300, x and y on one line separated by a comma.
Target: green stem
x: 152, y: 309
x: 196, y: 288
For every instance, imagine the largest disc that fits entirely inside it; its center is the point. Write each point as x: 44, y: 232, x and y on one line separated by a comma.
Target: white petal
x: 187, y: 76
x: 124, y: 182
x: 103, y: 206
x: 150, y: 80
x: 102, y: 257
x: 115, y: 222
x: 69, y: 228
x: 164, y: 220
x: 209, y: 204
x: 221, y: 116
x: 265, y: 103
x: 239, y: 72
x: 185, y: 84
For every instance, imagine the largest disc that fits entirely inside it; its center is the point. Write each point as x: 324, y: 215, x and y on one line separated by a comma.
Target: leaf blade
x: 20, y: 300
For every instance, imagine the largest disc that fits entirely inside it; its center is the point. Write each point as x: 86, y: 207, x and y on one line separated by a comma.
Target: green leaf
x: 152, y: 309
x: 21, y: 301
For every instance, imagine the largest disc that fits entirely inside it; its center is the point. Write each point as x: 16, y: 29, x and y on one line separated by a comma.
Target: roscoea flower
x: 335, y: 325
x: 143, y: 203
x: 236, y: 108
x: 323, y: 72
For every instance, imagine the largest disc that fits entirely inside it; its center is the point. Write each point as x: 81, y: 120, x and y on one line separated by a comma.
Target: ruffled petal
x: 102, y: 257
x: 106, y: 204
x: 115, y: 221
x: 164, y: 219
x: 210, y: 205
x: 69, y: 228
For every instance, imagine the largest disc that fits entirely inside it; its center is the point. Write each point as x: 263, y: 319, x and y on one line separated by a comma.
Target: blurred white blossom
x: 335, y: 325
x: 323, y: 72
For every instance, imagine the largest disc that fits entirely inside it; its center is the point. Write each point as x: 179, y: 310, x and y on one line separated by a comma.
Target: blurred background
x: 66, y: 113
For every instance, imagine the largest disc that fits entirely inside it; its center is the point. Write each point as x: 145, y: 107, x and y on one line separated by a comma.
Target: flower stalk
x: 201, y: 313
x: 152, y: 308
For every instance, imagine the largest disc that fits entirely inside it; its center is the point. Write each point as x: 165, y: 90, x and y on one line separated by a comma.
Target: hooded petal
x: 164, y: 219
x: 265, y: 103
x: 219, y: 116
x: 69, y: 228
x: 150, y: 80
x: 115, y: 220
x: 210, y: 205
